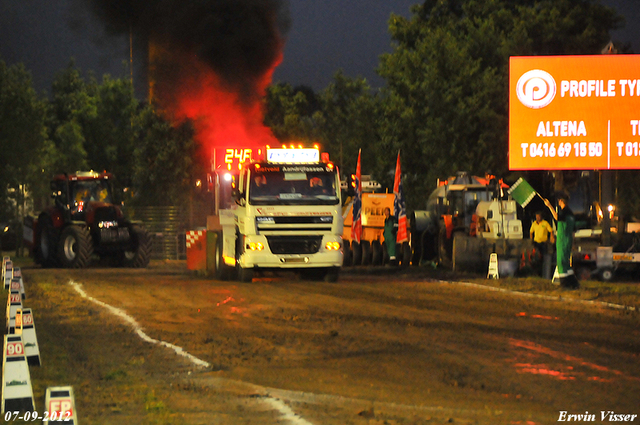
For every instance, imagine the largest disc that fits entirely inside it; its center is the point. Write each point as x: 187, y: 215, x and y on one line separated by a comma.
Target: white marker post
x: 27, y: 326
x: 17, y: 274
x: 17, y: 287
x: 14, y: 302
x: 61, y: 406
x: 4, y: 265
x: 17, y: 395
x: 8, y: 274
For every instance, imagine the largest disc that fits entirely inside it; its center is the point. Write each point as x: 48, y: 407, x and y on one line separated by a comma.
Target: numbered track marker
x: 14, y: 302
x: 29, y: 337
x: 5, y: 260
x: 17, y: 394
x: 7, y: 274
x: 17, y: 274
x: 60, y: 406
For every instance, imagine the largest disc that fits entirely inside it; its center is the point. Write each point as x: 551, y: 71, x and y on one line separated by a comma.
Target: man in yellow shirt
x: 541, y: 232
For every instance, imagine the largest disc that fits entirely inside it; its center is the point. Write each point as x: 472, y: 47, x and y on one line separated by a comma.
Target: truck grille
x: 294, y: 224
x: 294, y: 244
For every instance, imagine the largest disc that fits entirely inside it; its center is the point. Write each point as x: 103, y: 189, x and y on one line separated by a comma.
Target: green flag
x: 522, y: 192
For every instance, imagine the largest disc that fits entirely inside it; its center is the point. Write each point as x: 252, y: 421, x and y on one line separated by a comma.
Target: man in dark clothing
x: 564, y: 240
x: 389, y: 233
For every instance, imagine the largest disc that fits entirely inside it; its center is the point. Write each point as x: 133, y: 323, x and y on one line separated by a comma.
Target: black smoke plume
x: 240, y: 40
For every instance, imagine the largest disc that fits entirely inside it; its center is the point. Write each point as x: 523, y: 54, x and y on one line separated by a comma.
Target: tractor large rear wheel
x: 75, y: 247
x: 45, y: 252
x: 139, y: 252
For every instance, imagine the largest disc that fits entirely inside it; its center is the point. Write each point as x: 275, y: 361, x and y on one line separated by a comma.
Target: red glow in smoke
x: 222, y: 119
x: 224, y: 116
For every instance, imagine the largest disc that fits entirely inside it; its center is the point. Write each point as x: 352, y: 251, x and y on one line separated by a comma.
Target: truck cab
x: 286, y: 215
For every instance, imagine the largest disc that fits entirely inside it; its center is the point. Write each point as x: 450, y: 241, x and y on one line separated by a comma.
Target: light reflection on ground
x: 536, y: 316
x: 541, y: 369
x: 539, y: 360
x: 232, y: 306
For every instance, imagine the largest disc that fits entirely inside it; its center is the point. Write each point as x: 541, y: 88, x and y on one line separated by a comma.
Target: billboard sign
x: 574, y: 112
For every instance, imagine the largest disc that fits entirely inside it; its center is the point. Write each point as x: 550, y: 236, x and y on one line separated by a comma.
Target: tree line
x: 444, y: 105
x: 86, y: 124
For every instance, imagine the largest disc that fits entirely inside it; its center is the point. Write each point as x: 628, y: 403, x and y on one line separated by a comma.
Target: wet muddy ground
x: 373, y: 348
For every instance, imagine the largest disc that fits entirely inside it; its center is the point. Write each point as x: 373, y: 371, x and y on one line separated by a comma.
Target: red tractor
x: 84, y: 221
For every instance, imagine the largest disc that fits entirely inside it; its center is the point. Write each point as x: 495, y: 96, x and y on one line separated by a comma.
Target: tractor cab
x: 77, y: 192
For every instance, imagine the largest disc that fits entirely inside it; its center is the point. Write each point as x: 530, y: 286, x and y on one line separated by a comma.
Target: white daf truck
x: 285, y: 214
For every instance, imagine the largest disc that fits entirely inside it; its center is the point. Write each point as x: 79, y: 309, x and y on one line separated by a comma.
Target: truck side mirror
x: 238, y: 196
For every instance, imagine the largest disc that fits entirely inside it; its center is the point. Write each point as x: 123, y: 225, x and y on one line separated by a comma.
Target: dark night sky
x: 325, y: 36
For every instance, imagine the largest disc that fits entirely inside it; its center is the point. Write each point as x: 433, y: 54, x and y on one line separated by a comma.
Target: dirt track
x: 384, y: 348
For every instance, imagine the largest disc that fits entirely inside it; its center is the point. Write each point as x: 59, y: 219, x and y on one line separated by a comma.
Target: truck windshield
x: 293, y: 187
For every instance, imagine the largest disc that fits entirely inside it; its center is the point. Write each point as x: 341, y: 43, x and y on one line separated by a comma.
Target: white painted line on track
x: 542, y: 296
x: 136, y: 327
x: 285, y: 411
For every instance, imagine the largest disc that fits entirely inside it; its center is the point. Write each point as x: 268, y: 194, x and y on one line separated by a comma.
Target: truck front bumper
x: 266, y: 259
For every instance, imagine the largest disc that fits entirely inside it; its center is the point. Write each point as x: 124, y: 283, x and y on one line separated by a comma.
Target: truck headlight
x: 255, y: 246
x: 332, y: 246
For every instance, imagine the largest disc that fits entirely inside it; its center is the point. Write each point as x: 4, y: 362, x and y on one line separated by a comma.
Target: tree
x: 349, y: 112
x: 23, y: 139
x: 72, y: 108
x: 92, y: 124
x: 111, y: 134
x: 164, y: 165
x: 291, y: 113
x: 446, y: 100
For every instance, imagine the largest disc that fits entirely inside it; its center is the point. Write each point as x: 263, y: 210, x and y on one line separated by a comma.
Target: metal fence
x: 168, y: 226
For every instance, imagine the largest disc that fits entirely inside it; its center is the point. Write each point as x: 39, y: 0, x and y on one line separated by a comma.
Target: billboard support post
x: 606, y: 201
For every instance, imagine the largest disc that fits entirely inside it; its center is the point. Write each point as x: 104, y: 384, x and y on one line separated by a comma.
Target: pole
x: 607, y: 199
